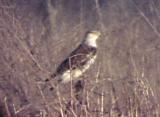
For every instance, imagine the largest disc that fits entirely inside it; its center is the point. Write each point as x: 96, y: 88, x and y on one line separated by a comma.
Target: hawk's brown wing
x: 77, y: 58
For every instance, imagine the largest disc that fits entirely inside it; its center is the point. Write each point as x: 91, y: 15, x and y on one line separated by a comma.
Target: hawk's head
x: 91, y: 38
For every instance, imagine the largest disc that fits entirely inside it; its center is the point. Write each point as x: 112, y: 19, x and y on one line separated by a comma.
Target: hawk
x: 79, y: 60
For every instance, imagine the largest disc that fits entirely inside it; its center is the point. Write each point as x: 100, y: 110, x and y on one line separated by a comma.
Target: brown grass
x: 36, y: 35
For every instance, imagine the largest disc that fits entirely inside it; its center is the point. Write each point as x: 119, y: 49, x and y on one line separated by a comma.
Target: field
x: 37, y: 35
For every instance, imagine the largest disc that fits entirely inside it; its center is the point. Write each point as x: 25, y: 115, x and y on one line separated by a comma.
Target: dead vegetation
x: 36, y: 35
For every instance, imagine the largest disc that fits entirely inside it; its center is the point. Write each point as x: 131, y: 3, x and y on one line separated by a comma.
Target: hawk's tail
x: 52, y: 76
x: 52, y: 80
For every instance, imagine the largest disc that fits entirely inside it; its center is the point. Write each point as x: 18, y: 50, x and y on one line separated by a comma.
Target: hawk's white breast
x: 73, y: 74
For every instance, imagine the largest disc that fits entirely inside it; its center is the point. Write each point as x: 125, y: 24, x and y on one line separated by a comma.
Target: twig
x: 146, y: 19
x: 21, y: 109
x: 100, y: 17
x: 60, y: 101
x: 6, y: 107
x: 43, y: 97
x: 102, y: 103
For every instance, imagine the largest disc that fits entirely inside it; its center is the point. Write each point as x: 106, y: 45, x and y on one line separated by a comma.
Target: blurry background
x: 36, y: 35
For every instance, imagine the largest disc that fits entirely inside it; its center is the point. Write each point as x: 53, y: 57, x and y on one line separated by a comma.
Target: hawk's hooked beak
x: 96, y: 33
